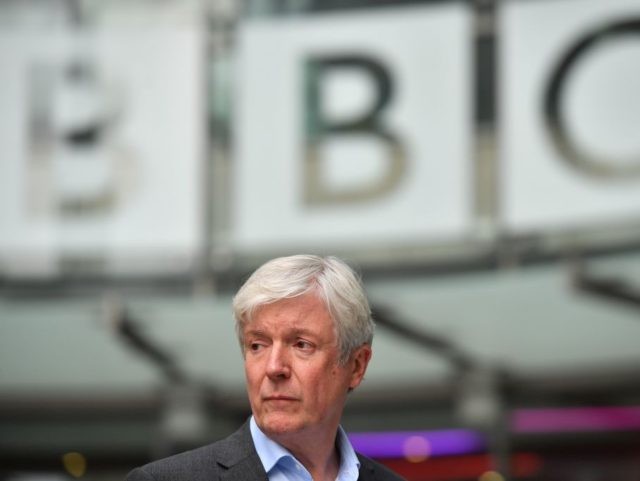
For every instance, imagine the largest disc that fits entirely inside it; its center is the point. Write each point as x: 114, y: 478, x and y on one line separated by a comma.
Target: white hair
x: 331, y: 279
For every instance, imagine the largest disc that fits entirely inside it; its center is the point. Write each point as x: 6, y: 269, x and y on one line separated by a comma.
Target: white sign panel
x: 353, y: 129
x: 570, y: 113
x: 101, y: 140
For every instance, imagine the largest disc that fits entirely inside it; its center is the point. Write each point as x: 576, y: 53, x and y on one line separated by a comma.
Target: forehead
x: 306, y: 312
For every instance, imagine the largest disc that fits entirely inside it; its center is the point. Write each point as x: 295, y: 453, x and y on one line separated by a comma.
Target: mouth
x: 279, y: 398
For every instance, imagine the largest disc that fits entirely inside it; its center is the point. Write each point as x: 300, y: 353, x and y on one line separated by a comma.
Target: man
x: 305, y: 331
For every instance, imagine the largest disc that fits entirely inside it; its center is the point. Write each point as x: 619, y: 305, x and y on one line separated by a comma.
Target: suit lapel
x: 249, y: 468
x: 366, y: 470
x: 238, y: 458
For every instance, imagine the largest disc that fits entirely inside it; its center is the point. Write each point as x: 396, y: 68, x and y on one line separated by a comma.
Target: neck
x: 317, y: 453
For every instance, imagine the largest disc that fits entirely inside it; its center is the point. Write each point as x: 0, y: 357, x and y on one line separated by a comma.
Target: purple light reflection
x: 454, y: 442
x: 575, y: 419
x: 450, y: 442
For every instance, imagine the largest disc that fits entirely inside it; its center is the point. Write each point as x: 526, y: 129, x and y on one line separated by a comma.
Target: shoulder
x: 371, y: 470
x: 200, y: 464
x: 197, y: 464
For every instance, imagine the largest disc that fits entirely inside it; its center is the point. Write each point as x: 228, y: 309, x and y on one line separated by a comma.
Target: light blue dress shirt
x: 281, y: 465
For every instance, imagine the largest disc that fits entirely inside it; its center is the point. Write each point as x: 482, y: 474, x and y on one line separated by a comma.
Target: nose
x: 278, y: 366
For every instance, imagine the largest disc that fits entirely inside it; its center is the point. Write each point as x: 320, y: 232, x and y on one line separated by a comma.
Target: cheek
x: 251, y: 375
x: 340, y: 376
x: 330, y: 380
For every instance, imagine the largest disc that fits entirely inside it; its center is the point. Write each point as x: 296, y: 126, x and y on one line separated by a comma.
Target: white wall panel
x: 426, y: 53
x: 598, y: 105
x: 101, y: 140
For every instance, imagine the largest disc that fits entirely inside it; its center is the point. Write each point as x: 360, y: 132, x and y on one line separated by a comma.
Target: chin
x: 279, y: 424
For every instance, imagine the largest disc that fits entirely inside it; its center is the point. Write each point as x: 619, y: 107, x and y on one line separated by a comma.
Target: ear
x: 359, y: 363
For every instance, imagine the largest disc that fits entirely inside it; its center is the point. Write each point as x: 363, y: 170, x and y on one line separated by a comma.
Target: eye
x: 304, y: 345
x: 255, y: 346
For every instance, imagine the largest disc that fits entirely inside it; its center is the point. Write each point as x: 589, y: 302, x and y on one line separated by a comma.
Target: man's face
x: 294, y: 380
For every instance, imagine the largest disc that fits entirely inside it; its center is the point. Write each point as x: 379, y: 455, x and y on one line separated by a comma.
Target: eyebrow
x: 294, y: 333
x: 304, y: 332
x: 254, y: 332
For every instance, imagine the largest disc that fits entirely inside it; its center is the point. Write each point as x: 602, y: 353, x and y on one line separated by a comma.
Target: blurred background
x: 476, y: 161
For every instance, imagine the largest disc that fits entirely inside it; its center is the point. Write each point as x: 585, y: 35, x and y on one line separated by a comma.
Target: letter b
x: 319, y: 129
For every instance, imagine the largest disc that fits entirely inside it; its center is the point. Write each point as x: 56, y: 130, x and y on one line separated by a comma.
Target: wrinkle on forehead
x: 294, y: 315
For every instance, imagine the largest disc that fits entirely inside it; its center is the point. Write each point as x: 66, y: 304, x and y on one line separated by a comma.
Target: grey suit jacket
x: 232, y: 459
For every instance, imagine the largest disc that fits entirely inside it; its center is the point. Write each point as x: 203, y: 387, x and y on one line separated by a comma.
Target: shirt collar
x: 349, y: 462
x: 270, y: 452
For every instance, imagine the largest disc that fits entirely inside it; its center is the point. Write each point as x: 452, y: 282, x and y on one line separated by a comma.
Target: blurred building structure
x: 476, y: 160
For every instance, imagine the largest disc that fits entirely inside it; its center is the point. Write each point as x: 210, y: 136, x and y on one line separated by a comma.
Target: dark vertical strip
x: 485, y: 88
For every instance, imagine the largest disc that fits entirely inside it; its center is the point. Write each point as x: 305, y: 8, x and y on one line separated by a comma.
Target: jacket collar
x: 238, y: 457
